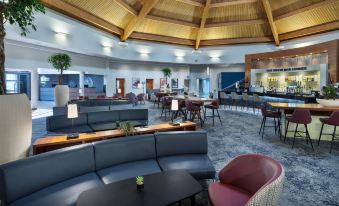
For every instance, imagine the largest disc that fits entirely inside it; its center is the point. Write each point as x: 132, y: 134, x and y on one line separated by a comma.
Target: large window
x: 12, y: 83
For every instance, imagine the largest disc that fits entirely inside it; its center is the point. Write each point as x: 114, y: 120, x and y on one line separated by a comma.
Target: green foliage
x: 167, y: 72
x: 329, y: 92
x: 21, y: 13
x: 139, y: 180
x: 127, y: 128
x: 60, y: 62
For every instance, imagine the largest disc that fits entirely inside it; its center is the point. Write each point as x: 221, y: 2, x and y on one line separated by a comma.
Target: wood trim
x: 192, y: 2
x: 230, y: 3
x: 233, y: 23
x: 202, y: 23
x: 161, y: 38
x: 268, y: 11
x: 173, y: 21
x: 236, y: 41
x: 307, y: 8
x: 137, y: 19
x: 81, y: 15
x: 127, y: 7
x: 310, y: 30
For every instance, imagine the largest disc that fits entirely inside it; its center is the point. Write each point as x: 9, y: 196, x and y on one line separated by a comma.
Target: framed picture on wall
x: 162, y: 83
x: 135, y: 82
x: 174, y: 83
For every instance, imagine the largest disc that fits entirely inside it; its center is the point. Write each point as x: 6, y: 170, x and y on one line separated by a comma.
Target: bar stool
x: 269, y: 114
x: 299, y: 116
x: 333, y: 120
x: 235, y: 100
x: 213, y: 106
x: 256, y: 102
x: 194, y: 110
x: 166, y: 106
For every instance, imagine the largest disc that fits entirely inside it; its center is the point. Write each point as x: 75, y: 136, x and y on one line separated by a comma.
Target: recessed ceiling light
x: 270, y: 58
x: 123, y: 44
x: 62, y: 33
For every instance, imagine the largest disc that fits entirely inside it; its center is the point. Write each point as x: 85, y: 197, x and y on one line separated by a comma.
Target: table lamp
x: 72, y: 113
x: 174, y: 107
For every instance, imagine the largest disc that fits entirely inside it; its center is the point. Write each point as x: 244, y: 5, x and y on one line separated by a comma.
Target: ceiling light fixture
x: 123, y: 44
x: 61, y: 33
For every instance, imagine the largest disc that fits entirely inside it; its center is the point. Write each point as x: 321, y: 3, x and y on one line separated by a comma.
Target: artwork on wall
x: 135, y: 82
x: 175, y: 83
x: 162, y: 83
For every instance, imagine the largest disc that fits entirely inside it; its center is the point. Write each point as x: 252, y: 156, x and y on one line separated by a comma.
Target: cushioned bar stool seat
x: 333, y: 120
x: 269, y: 114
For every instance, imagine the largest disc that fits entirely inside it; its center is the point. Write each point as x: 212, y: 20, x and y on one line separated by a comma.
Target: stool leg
x: 308, y: 135
x: 335, y: 127
x: 262, y: 123
x: 219, y: 116
x: 286, y: 131
x: 213, y: 116
x: 321, y: 131
x: 279, y: 129
x: 275, y: 126
x: 205, y: 114
x: 263, y: 129
x: 295, y: 134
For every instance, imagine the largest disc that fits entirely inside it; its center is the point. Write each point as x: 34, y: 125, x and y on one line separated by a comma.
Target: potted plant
x: 330, y: 97
x: 140, y: 182
x: 60, y: 62
x: 127, y: 128
x: 16, y: 124
x: 167, y: 74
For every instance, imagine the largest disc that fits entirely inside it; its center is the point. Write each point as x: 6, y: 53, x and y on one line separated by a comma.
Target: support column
x: 34, y: 87
x: 109, y: 81
x: 82, y: 83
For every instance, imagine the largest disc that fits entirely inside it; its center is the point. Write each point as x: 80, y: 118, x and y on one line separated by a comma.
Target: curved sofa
x: 59, y: 177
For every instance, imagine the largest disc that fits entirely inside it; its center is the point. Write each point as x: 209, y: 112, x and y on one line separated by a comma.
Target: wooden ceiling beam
x: 310, y: 30
x: 81, y: 15
x: 230, y: 3
x: 137, y: 19
x: 173, y: 21
x: 192, y: 2
x: 233, y: 23
x: 214, y: 42
x: 307, y: 8
x: 268, y: 11
x: 161, y: 38
x: 127, y: 7
x: 202, y: 23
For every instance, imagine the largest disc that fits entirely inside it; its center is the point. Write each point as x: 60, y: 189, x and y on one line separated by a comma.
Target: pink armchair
x: 251, y: 180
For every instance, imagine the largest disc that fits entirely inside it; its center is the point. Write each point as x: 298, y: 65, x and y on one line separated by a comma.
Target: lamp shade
x: 175, y: 105
x: 72, y: 111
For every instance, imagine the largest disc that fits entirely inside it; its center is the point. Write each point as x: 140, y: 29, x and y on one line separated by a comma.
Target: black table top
x: 159, y: 189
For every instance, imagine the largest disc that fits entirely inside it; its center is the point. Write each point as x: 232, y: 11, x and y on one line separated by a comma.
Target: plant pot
x: 328, y: 102
x: 140, y: 187
x: 61, y: 95
x: 15, y: 127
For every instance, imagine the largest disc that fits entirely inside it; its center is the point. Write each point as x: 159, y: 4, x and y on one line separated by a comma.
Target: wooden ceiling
x: 205, y: 22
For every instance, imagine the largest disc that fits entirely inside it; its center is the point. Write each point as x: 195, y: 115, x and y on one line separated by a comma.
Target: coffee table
x: 160, y: 189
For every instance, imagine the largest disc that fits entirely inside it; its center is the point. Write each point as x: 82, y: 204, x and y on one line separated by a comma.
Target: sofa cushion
x: 93, y: 109
x: 227, y: 195
x: 138, y: 123
x: 103, y: 117
x: 79, y: 129
x: 128, y: 170
x: 59, y: 111
x: 133, y: 114
x: 103, y: 126
x: 61, y: 122
x: 121, y: 150
x: 180, y: 143
x: 199, y: 166
x: 64, y: 193
x: 40, y: 171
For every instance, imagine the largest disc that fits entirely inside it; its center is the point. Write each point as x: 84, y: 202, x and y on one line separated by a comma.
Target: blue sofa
x: 96, y: 121
x: 58, y: 177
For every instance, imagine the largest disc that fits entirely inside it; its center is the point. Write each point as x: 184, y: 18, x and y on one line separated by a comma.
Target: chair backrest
x: 223, y: 95
x: 301, y: 116
x: 264, y: 109
x: 256, y: 98
x: 245, y: 96
x: 251, y: 172
x: 334, y: 118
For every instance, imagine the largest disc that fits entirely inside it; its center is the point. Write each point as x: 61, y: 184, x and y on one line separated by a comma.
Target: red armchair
x: 250, y: 179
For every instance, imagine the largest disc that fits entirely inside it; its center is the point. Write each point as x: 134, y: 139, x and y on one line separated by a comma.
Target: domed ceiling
x: 199, y: 23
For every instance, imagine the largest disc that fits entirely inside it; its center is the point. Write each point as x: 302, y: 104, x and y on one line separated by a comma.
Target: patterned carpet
x: 312, y: 178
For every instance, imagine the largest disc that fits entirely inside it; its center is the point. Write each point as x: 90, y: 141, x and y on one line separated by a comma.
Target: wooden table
x: 315, y: 109
x: 50, y: 143
x: 159, y: 95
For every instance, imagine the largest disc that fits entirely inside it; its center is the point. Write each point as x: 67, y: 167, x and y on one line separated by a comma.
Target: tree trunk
x: 2, y: 53
x: 60, y: 77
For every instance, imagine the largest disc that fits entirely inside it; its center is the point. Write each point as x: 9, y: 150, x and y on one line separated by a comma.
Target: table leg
x: 192, y: 200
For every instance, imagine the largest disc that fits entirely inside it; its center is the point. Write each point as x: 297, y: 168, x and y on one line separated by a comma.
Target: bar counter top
x: 311, y: 107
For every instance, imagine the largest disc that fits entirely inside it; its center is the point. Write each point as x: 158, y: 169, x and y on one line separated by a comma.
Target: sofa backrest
x: 93, y: 109
x: 181, y: 143
x: 59, y: 111
x: 107, y: 116
x: 133, y: 114
x: 120, y: 150
x: 23, y: 177
x: 61, y: 121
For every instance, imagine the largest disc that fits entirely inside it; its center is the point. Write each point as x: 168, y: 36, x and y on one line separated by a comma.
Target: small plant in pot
x: 139, y: 180
x: 127, y: 128
x: 330, y: 97
x: 61, y: 62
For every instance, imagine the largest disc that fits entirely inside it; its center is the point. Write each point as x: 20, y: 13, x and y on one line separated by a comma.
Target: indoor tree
x: 167, y: 73
x: 21, y: 13
x: 60, y: 62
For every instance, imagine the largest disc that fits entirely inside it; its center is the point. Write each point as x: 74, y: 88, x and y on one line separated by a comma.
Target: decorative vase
x: 15, y: 127
x: 61, y: 95
x: 328, y: 102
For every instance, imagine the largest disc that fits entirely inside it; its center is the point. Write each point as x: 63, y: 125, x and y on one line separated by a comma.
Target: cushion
x: 59, y: 111
x: 40, y: 171
x: 227, y: 195
x: 64, y: 193
x: 83, y: 109
x: 61, y: 122
x: 103, y: 126
x: 121, y: 150
x: 180, y: 143
x: 138, y: 123
x: 133, y: 114
x: 199, y: 166
x: 128, y: 170
x: 103, y: 117
x: 79, y: 129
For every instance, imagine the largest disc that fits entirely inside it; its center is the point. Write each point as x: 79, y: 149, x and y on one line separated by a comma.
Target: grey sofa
x: 96, y: 121
x: 58, y: 177
x: 85, y: 109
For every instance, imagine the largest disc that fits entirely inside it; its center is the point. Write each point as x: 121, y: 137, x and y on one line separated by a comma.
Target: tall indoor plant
x: 167, y: 74
x: 16, y: 124
x: 60, y: 62
x: 330, y: 97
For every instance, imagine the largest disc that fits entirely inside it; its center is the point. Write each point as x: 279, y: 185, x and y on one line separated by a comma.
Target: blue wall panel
x: 229, y: 78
